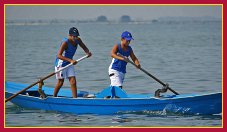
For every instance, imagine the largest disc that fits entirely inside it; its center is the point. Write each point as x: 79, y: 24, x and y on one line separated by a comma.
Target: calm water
x: 187, y: 55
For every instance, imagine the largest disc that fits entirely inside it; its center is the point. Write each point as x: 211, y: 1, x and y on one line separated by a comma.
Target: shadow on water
x: 165, y: 119
x: 121, y: 119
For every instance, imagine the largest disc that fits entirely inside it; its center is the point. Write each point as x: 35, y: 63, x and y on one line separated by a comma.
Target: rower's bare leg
x: 72, y: 81
x: 58, y: 86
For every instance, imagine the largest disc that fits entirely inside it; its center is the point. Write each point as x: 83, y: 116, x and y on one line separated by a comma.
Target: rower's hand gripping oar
x: 166, y: 86
x: 44, y: 78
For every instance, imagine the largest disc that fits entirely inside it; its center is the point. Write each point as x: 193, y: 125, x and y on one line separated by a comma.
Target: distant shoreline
x: 106, y: 21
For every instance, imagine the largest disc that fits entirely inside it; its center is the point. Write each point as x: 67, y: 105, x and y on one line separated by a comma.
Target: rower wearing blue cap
x: 120, y: 53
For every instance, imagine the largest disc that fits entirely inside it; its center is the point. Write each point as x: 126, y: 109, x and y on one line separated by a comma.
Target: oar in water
x: 163, y: 84
x: 44, y: 78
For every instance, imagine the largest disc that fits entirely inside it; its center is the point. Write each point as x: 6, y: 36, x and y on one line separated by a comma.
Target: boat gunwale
x: 128, y: 98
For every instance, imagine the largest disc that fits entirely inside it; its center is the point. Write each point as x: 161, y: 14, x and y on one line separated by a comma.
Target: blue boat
x: 113, y: 100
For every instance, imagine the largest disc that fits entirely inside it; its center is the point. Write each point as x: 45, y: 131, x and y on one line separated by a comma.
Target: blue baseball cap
x: 127, y: 35
x: 74, y: 31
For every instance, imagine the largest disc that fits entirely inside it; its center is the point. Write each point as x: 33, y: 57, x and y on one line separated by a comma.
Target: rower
x: 40, y: 85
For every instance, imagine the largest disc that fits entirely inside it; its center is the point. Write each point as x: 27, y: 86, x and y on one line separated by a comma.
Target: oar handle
x: 44, y: 78
x: 80, y: 59
x: 163, y: 84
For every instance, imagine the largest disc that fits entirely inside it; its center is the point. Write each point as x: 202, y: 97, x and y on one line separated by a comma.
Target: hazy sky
x: 76, y: 12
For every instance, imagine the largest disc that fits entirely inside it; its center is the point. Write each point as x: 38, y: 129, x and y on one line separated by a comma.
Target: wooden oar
x: 153, y: 77
x: 44, y: 78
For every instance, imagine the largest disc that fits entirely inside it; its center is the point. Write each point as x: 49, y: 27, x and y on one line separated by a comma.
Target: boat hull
x: 183, y: 104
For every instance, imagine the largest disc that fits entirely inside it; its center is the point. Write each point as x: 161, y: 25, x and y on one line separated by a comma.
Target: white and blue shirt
x: 68, y: 53
x: 120, y: 65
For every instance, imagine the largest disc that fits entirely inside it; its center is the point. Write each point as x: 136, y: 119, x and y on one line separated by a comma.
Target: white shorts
x: 116, y: 77
x: 64, y: 74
